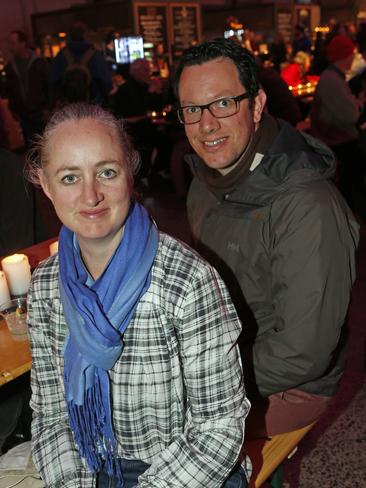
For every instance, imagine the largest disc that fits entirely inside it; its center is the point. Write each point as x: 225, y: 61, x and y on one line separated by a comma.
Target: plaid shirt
x: 178, y: 397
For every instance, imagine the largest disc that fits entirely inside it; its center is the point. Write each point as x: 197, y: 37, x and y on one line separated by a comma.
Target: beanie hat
x: 340, y: 47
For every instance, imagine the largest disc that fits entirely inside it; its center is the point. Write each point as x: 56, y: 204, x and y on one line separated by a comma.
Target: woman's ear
x: 258, y: 106
x: 44, y: 183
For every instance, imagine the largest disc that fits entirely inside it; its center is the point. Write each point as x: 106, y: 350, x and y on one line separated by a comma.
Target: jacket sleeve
x: 54, y: 452
x: 204, y: 454
x: 312, y: 247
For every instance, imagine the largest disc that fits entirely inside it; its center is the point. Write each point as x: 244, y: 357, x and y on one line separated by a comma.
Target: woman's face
x: 87, y: 181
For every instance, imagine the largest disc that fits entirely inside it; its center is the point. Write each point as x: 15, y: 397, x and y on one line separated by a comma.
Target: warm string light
x: 301, y: 88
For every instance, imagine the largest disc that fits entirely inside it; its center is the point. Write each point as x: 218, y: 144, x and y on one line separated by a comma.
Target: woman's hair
x: 38, y: 157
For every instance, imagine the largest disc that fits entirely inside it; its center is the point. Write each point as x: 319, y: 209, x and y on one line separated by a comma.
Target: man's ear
x: 258, y: 106
x: 44, y: 183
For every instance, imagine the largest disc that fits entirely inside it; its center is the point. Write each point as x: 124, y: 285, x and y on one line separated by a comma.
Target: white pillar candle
x: 4, y: 290
x: 18, y: 275
x: 53, y: 248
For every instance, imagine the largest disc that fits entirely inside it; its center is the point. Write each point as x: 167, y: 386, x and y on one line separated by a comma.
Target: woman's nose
x: 92, y: 193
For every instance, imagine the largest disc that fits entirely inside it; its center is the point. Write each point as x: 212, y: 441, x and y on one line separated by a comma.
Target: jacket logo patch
x: 256, y: 161
x: 233, y: 246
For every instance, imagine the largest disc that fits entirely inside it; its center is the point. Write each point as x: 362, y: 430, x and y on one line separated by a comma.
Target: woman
x: 295, y: 73
x: 136, y: 378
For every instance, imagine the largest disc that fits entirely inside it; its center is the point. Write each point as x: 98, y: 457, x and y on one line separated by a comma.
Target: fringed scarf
x: 97, y: 317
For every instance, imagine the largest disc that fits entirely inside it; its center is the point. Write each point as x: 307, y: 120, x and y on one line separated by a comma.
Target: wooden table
x: 15, y: 357
x: 38, y: 252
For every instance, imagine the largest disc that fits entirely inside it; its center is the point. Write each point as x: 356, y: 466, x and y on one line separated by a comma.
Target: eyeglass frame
x: 237, y: 99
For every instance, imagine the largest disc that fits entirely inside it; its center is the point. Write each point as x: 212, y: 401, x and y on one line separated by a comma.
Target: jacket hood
x: 293, y: 158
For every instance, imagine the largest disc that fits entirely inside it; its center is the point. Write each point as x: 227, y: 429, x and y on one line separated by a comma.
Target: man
x: 334, y: 117
x: 301, y: 41
x: 79, y: 72
x: 134, y: 99
x: 263, y: 211
x: 26, y: 86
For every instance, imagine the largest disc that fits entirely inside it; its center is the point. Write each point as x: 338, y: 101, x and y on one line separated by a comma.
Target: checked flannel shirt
x: 178, y: 397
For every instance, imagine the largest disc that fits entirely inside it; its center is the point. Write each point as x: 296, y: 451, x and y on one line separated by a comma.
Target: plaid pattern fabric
x: 177, y: 390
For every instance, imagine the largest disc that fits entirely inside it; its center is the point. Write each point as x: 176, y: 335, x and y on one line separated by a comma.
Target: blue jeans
x: 133, y: 469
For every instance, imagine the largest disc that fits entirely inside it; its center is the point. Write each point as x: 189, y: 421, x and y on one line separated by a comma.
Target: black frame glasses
x: 237, y: 99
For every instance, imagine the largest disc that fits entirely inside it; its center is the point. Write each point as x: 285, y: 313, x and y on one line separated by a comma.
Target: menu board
x: 152, y: 23
x: 284, y: 23
x: 185, y: 26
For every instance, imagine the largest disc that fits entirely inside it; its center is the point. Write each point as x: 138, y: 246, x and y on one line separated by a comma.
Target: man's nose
x: 208, y: 122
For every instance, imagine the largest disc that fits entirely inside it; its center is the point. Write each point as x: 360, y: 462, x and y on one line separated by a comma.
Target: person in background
x: 161, y: 61
x: 136, y: 373
x: 280, y: 101
x: 335, y: 114
x: 264, y: 211
x: 135, y: 99
x: 16, y: 204
x: 278, y: 51
x: 27, y: 86
x: 141, y: 93
x: 79, y: 72
x: 109, y: 51
x: 301, y: 41
x: 295, y: 73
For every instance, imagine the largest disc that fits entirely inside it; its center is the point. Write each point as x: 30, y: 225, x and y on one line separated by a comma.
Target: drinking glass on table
x: 14, y: 312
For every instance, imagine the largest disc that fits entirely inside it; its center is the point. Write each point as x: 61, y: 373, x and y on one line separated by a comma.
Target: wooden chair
x: 267, y: 456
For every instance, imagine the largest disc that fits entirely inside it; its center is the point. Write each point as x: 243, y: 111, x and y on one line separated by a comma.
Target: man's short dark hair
x: 222, y: 48
x: 77, y: 32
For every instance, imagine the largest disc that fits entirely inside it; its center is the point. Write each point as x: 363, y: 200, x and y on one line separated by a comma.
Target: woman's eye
x: 68, y: 179
x: 108, y: 173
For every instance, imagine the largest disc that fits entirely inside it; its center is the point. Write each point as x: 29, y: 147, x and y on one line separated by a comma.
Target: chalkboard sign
x: 185, y: 27
x: 151, y: 21
x: 284, y: 22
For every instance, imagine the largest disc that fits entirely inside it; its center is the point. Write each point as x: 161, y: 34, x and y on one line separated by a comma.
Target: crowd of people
x: 152, y: 362
x: 35, y: 87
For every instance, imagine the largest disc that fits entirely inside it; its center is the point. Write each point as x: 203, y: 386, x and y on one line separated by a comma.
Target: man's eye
x: 108, y: 173
x: 68, y: 179
x: 191, y: 110
x: 223, y: 103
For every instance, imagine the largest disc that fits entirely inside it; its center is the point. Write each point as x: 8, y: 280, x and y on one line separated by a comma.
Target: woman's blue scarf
x: 97, y: 317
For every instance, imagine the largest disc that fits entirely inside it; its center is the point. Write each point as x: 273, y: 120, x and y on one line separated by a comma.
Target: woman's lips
x: 93, y: 214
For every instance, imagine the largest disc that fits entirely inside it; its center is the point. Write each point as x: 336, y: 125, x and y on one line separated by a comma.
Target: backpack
x: 77, y: 78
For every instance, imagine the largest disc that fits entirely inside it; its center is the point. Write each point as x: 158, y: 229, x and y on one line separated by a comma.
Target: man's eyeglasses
x: 221, y: 108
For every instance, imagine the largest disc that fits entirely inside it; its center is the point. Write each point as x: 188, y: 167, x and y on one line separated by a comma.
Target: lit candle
x: 53, y: 248
x: 4, y: 290
x: 18, y: 275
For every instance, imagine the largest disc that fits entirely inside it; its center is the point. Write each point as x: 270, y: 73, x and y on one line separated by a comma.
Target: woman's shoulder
x: 45, y: 276
x: 178, y: 262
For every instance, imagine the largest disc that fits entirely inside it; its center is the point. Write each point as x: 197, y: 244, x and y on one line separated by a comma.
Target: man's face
x: 17, y: 48
x: 218, y: 142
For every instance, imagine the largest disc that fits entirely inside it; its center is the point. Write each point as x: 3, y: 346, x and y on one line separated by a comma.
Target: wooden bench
x: 267, y: 456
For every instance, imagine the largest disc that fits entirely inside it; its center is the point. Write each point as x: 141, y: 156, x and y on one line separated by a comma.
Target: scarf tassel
x: 93, y: 435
